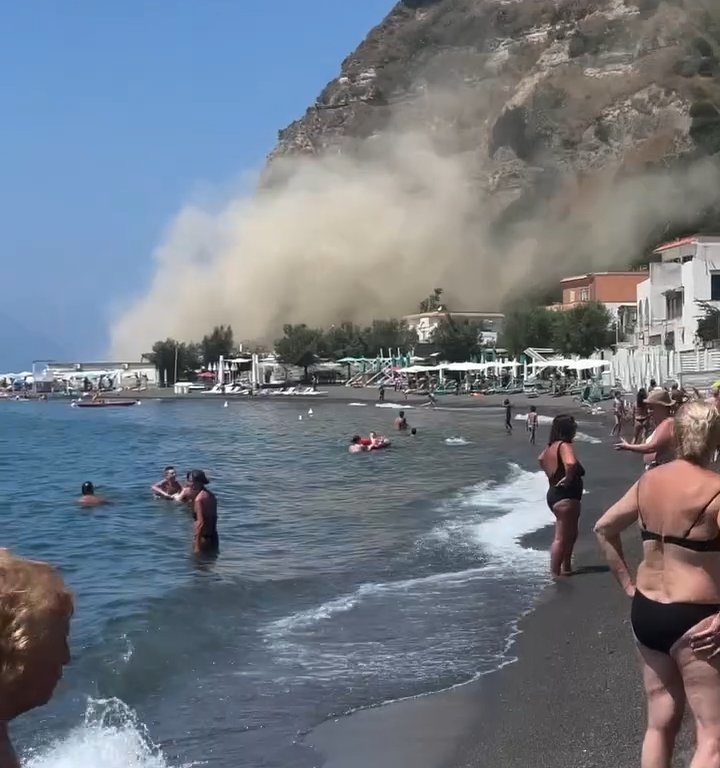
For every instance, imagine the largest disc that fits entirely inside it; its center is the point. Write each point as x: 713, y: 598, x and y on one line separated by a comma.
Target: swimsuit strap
x: 702, y: 512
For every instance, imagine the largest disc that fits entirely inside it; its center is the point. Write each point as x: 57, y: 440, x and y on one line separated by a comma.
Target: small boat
x: 104, y: 403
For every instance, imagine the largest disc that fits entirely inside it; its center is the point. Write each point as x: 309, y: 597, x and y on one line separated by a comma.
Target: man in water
x: 168, y: 488
x: 413, y: 431
x: 532, y: 422
x: 356, y: 445
x: 508, y: 417
x: 205, y: 536
x: 401, y: 421
x: 88, y: 498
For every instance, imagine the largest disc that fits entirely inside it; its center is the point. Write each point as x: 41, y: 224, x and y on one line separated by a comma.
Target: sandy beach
x: 572, y: 698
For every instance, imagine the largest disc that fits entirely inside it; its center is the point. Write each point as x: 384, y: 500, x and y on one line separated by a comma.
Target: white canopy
x: 420, y: 369
x: 466, y: 366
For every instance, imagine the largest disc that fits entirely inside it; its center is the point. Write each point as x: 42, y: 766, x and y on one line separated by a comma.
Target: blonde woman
x: 35, y: 612
x: 675, y: 612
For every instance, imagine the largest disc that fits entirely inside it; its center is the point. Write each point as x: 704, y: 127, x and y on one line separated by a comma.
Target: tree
x: 299, y: 346
x: 388, y: 335
x: 432, y: 302
x: 344, y: 340
x: 527, y: 327
x: 582, y: 330
x: 219, y: 342
x: 456, y: 342
x: 172, y: 357
x: 708, y: 329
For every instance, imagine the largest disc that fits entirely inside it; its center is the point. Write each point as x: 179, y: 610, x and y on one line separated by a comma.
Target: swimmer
x: 401, y: 421
x: 413, y: 431
x: 205, y: 536
x: 168, y: 488
x: 35, y: 612
x: 356, y: 445
x: 88, y: 498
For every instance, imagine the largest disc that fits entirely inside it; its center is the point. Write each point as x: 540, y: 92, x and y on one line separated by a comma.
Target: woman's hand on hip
x: 707, y: 641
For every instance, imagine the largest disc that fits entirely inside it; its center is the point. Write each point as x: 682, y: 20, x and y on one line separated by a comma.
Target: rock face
x: 542, y: 96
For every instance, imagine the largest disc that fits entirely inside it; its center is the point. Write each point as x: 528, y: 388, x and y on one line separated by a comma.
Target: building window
x: 583, y: 294
x: 715, y: 286
x: 674, y: 305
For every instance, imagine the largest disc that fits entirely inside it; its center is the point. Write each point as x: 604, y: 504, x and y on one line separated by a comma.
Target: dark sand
x: 573, y: 698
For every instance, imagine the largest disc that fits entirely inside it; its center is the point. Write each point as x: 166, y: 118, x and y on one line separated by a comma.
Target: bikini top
x: 696, y: 545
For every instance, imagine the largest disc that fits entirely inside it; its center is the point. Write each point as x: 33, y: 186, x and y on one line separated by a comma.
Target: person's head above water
x: 402, y: 414
x: 169, y: 472
x: 35, y: 612
x: 198, y: 478
x: 355, y: 439
x: 413, y: 431
x: 88, y: 489
x: 564, y: 429
x: 697, y: 432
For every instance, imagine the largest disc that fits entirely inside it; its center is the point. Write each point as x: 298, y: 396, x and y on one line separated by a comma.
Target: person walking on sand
x: 659, y: 448
x: 532, y: 423
x: 35, y: 613
x: 640, y: 417
x: 675, y: 609
x: 205, y: 535
x: 508, y: 417
x: 618, y: 415
x: 565, y: 477
x: 381, y: 394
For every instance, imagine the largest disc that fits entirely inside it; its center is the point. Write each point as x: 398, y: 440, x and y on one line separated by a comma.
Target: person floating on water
x: 508, y: 417
x: 401, y: 421
x: 675, y: 593
x: 659, y: 448
x: 532, y: 423
x: 35, y: 613
x: 88, y: 497
x: 169, y: 487
x: 205, y: 535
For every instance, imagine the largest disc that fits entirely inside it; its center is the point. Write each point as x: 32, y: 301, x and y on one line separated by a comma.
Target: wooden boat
x: 104, y: 403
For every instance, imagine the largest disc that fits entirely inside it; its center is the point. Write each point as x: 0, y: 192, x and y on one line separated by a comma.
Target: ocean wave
x: 358, y: 405
x: 111, y: 736
x: 580, y: 436
x: 397, y: 406
x: 456, y: 441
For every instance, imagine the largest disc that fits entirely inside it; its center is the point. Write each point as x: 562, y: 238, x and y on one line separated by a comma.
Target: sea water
x: 342, y: 582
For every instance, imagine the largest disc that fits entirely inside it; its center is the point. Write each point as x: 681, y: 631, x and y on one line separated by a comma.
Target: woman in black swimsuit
x: 675, y: 612
x: 565, y: 475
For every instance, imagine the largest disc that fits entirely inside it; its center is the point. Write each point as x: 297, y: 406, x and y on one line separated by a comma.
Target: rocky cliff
x: 544, y: 98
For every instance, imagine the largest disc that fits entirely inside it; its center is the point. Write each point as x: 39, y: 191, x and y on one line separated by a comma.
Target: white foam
x: 541, y: 419
x: 111, y: 737
x: 583, y: 438
x: 580, y: 436
x: 358, y: 405
x: 456, y: 441
x: 398, y: 406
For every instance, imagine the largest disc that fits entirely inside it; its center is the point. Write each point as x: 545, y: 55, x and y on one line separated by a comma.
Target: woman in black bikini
x: 565, y: 475
x: 675, y: 612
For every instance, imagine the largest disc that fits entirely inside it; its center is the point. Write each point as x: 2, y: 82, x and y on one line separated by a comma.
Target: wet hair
x: 30, y: 594
x: 168, y: 468
x: 187, y: 475
x: 563, y: 429
x: 402, y: 414
x: 88, y: 489
x: 697, y: 431
x: 413, y: 431
x: 198, y: 476
x: 355, y: 439
x: 533, y: 408
x: 641, y: 397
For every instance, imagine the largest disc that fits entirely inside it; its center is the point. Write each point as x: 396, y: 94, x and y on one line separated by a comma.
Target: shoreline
x: 569, y: 696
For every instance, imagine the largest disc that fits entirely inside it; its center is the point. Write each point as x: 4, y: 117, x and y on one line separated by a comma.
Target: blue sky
x: 116, y: 113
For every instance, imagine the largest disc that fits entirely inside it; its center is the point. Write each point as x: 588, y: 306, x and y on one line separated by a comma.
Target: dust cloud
x: 351, y: 238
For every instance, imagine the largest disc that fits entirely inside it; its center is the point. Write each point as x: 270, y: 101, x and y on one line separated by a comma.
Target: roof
x: 454, y: 313
x: 691, y: 240
x: 628, y: 273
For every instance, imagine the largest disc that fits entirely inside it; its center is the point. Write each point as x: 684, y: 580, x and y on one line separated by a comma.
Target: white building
x: 683, y: 273
x: 425, y: 323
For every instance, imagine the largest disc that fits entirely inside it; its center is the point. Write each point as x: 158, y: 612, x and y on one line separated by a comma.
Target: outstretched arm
x: 663, y: 435
x: 158, y: 490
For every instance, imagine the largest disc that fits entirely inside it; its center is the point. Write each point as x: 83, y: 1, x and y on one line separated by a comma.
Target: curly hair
x: 30, y: 593
x: 697, y: 431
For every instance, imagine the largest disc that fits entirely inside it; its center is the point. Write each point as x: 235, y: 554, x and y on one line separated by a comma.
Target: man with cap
x: 659, y: 448
x: 205, y: 536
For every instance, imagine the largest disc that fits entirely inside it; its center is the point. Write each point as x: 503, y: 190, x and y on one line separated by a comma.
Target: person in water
x: 88, y: 497
x: 35, y: 613
x: 401, y: 421
x: 532, y: 423
x: 356, y: 445
x: 675, y: 610
x: 413, y: 431
x: 508, y: 416
x: 168, y: 487
x: 205, y: 535
x: 187, y: 494
x: 659, y: 448
x: 565, y: 477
